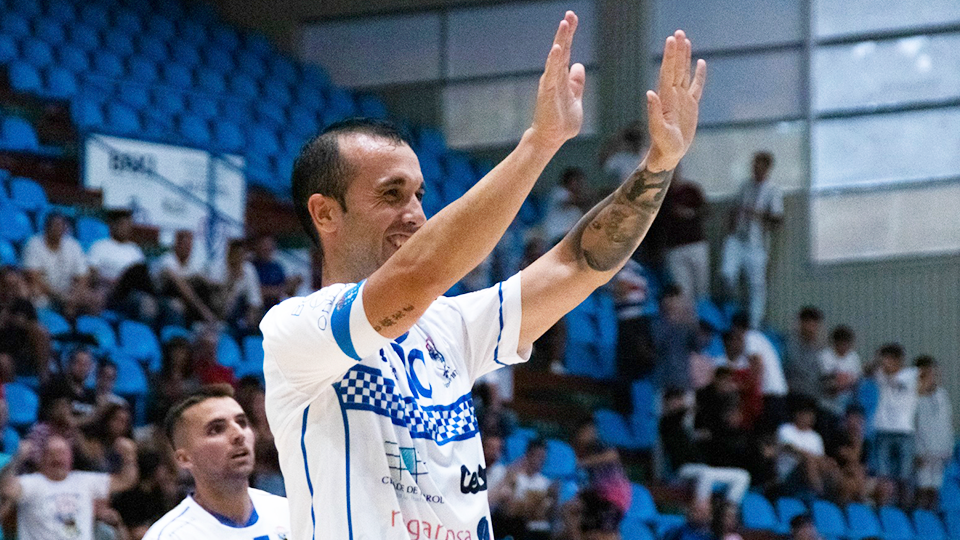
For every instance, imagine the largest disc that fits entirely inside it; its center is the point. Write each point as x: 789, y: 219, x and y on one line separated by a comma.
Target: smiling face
x: 383, y: 199
x: 214, y: 441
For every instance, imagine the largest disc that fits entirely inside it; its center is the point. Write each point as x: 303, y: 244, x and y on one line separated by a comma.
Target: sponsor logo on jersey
x: 448, y: 372
x: 421, y: 529
x: 472, y: 482
x: 402, y: 459
x: 483, y: 529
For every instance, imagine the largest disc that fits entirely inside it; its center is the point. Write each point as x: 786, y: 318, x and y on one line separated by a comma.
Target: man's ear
x: 183, y: 459
x: 325, y: 212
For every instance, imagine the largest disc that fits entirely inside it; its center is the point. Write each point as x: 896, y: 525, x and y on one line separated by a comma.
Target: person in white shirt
x: 240, y: 301
x: 773, y: 383
x: 57, y: 502
x: 112, y: 256
x: 759, y: 210
x: 119, y: 271
x: 935, y: 439
x: 213, y: 441
x: 179, y: 277
x: 56, y: 269
x: 841, y: 369
x: 368, y: 380
x: 801, y: 462
x: 532, y: 495
x: 895, y: 421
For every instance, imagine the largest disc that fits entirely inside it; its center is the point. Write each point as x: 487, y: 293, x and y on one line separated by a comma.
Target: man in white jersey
x: 213, y: 441
x: 368, y: 379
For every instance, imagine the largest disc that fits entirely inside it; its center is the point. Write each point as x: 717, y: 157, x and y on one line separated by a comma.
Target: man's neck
x: 230, y: 499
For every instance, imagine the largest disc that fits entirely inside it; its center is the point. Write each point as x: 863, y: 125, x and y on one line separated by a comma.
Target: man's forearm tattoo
x: 392, y: 319
x: 611, y: 231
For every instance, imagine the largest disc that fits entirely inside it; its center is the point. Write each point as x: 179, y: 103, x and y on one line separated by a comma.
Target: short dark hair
x: 842, y: 334
x: 810, y: 313
x: 105, y: 363
x: 801, y: 521
x: 320, y: 168
x: 924, y: 361
x: 172, y: 421
x: 536, y: 444
x: 764, y: 157
x: 671, y: 291
x: 892, y: 349
x: 48, y: 219
x: 740, y: 320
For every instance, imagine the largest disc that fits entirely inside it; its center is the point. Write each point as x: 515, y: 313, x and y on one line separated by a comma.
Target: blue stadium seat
x: 160, y: 127
x: 135, y: 94
x: 271, y: 113
x: 642, y: 506
x: 633, y: 528
x: 11, y: 441
x: 252, y: 357
x: 61, y: 83
x: 203, y: 13
x: 191, y: 31
x: 217, y: 59
x: 228, y: 352
x: 292, y: 142
x: 169, y: 332
x: 340, y: 101
x: 211, y: 81
x: 100, y: 329
x: 61, y: 11
x: 53, y: 321
x: 24, y: 77
x: 372, y: 106
x: 789, y: 508
x: 142, y: 70
x: 8, y: 255
x: 228, y: 137
x: 128, y: 22
x: 131, y: 380
x: 263, y: 140
x: 314, y: 77
x: 23, y: 405
x: 863, y: 522
x: 258, y: 169
x: 244, y: 86
x: 168, y: 102
x: 515, y: 445
x: 152, y: 47
x: 829, y: 520
x: 951, y: 519
x: 431, y: 141
x: 591, y: 337
x: 27, y: 194
x: 161, y: 27
x: 644, y: 416
x: 27, y: 8
x: 138, y: 341
x: 84, y: 36
x: 15, y: 25
x: 928, y: 526
x: 202, y: 105
x: 238, y: 112
x: 122, y: 119
x: 185, y: 53
x: 195, y: 130
x: 950, y: 495
x: 73, y: 58
x: 9, y: 50
x: 257, y: 43
x: 277, y: 91
x: 177, y: 75
x: 309, y: 98
x: 87, y: 114
x: 896, y: 525
x: 107, y: 64
x: 19, y: 135
x: 50, y: 31
x: 303, y: 122
x: 758, y: 514
x: 251, y: 64
x: 118, y: 42
x: 225, y: 37
x: 95, y: 14
x: 612, y: 429
x: 561, y: 461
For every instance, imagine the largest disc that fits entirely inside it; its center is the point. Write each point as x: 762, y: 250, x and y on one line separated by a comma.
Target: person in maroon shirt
x: 687, y: 249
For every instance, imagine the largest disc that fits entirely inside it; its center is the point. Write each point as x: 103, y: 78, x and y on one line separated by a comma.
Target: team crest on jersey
x: 448, y: 371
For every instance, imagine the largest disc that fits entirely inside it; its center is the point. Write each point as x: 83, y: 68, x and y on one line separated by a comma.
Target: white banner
x: 170, y: 187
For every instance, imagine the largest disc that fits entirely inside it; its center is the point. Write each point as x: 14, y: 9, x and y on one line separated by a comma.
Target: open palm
x: 674, y: 108
x: 559, y: 110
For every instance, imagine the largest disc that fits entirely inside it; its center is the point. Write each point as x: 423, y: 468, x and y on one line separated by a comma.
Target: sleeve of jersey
x: 492, y: 320
x: 315, y: 340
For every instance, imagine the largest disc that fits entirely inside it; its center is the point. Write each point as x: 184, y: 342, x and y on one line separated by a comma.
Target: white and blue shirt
x: 270, y: 520
x: 377, y: 438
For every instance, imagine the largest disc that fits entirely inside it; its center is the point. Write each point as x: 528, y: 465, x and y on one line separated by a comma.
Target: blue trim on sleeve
x: 306, y: 469
x: 160, y: 534
x: 340, y: 321
x: 496, y: 350
x: 346, y: 443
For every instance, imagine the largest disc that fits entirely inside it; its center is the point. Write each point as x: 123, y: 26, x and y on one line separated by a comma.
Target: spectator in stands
x: 803, y: 528
x: 239, y: 298
x: 720, y: 420
x: 180, y: 278
x: 153, y: 496
x: 104, y: 385
x: 852, y: 430
x: 24, y: 342
x: 841, y: 369
x: 59, y: 502
x: 801, y: 462
x: 498, y: 491
x: 98, y: 443
x: 266, y: 473
x: 934, y: 432
x: 687, y: 457
x: 604, y: 471
x: 688, y: 252
x: 73, y: 382
x: 698, y: 524
x: 895, y: 420
x: 621, y: 154
x: 204, y: 360
x: 526, y: 512
x: 846, y: 474
x: 492, y: 413
x: 119, y: 269
x: 176, y: 379
x: 9, y: 438
x: 675, y: 340
x: 274, y: 283
x: 804, y: 347
x: 759, y: 210
x: 636, y: 304
x: 747, y: 374
x: 565, y: 204
x: 773, y: 384
x: 726, y: 521
x: 55, y: 418
x: 57, y: 270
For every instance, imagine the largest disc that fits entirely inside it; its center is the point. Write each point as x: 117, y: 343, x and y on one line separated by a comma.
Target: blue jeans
x: 893, y: 455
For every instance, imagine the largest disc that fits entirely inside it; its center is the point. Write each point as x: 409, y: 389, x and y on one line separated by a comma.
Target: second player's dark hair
x: 175, y: 413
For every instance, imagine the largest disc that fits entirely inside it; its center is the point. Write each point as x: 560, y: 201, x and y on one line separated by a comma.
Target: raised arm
x: 600, y: 244
x: 459, y: 237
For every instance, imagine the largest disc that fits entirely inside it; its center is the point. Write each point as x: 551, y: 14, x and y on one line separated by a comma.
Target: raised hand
x: 673, y: 109
x: 559, y: 111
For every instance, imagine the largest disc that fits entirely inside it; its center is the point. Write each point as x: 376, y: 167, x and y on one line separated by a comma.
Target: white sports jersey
x: 377, y: 438
x: 190, y: 521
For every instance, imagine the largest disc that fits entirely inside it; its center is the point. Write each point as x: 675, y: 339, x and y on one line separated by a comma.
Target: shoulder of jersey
x: 159, y: 530
x: 271, y: 505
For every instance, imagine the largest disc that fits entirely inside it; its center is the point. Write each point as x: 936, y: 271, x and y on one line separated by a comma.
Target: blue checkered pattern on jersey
x: 366, y: 389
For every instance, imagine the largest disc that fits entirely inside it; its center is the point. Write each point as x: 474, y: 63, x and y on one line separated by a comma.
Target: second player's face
x: 218, y: 439
x: 383, y: 199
